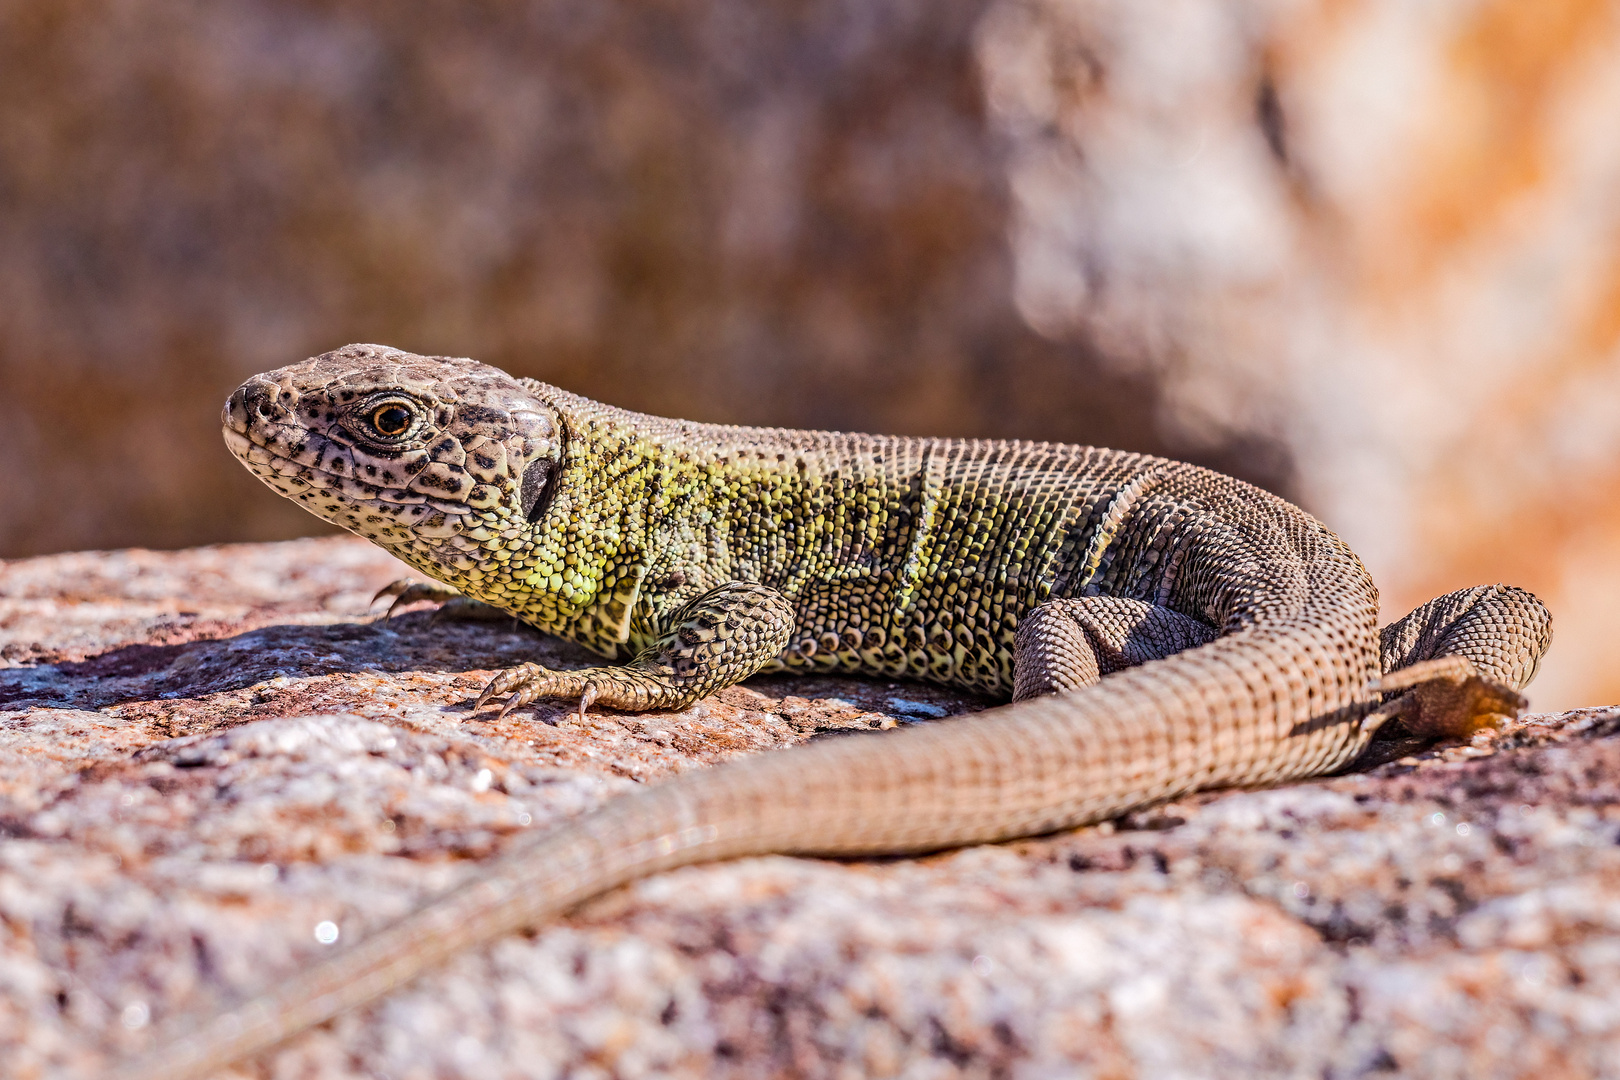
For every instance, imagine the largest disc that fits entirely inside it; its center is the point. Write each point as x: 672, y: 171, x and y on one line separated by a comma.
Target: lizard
x: 1160, y: 628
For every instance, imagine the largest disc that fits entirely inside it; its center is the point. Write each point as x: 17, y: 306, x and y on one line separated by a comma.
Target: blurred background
x: 1365, y: 253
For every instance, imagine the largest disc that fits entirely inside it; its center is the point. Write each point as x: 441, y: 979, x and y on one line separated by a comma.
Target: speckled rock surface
x: 211, y: 762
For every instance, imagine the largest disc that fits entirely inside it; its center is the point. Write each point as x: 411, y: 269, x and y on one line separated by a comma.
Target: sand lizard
x: 1161, y: 628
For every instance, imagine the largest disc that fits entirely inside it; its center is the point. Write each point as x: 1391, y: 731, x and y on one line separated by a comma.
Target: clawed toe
x: 520, y: 697
x: 531, y: 682
x: 500, y: 684
x: 522, y: 684
x: 1447, y: 697
x: 393, y: 588
x: 406, y: 591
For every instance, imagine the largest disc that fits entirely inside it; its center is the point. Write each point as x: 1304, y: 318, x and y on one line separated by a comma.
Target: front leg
x: 710, y: 642
x: 452, y: 604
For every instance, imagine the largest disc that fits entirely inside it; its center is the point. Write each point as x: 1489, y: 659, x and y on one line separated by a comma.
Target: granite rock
x: 215, y: 766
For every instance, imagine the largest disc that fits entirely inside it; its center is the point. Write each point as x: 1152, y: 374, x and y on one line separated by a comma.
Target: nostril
x: 235, y: 411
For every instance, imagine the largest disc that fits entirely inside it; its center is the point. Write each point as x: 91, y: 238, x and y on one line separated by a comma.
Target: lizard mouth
x: 374, y: 511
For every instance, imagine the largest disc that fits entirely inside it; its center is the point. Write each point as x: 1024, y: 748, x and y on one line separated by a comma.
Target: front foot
x: 616, y: 687
x: 721, y: 637
x: 453, y: 605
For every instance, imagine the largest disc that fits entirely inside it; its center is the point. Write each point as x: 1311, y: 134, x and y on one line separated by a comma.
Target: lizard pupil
x: 391, y: 419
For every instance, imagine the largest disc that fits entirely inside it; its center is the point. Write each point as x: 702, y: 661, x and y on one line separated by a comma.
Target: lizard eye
x: 391, y: 420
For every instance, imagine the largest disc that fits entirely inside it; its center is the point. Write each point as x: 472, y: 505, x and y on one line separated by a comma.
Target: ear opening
x: 538, y: 488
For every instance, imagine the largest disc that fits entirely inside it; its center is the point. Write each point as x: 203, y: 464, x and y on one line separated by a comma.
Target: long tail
x: 1273, y: 701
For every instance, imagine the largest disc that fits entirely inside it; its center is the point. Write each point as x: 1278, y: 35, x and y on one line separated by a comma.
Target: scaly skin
x: 1192, y: 631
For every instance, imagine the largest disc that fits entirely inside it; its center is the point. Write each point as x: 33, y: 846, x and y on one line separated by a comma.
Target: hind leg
x: 1463, y: 657
x: 1065, y: 644
x: 1502, y: 630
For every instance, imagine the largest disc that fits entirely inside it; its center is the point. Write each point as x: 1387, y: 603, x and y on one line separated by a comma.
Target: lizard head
x: 411, y: 452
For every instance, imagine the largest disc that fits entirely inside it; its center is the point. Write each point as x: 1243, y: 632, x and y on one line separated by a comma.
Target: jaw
x: 390, y: 518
